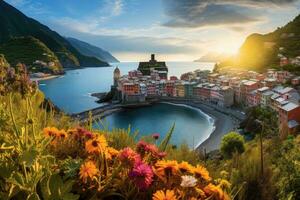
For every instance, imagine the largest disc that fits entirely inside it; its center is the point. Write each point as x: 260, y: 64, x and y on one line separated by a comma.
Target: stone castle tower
x: 117, y: 76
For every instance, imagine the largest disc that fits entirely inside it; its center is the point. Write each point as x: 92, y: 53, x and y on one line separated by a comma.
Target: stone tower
x: 117, y: 75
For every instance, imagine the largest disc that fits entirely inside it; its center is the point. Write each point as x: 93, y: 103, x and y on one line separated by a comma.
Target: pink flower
x: 155, y: 136
x: 129, y: 156
x: 142, y: 175
x: 84, y: 133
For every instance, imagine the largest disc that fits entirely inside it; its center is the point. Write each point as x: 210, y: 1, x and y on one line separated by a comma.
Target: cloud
x: 117, y: 7
x: 232, y: 13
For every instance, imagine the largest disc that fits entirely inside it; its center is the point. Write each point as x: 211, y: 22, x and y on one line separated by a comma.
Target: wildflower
x: 155, y: 136
x: 111, y: 153
x: 141, y: 147
x: 96, y: 145
x: 201, y: 172
x: 84, y: 133
x: 161, y: 195
x: 50, y: 131
x: 216, y: 192
x: 129, y: 156
x: 142, y: 175
x: 188, y: 181
x: 185, y: 167
x: 88, y: 170
x: 62, y: 134
x: 166, y: 168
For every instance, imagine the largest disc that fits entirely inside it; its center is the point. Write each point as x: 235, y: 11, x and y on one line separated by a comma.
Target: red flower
x: 142, y: 175
x: 155, y: 136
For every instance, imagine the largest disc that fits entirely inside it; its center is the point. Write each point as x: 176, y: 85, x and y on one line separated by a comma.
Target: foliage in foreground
x: 46, y: 155
x: 77, y: 163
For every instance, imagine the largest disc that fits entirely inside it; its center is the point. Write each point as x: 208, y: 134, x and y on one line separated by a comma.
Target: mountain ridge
x: 16, y: 24
x: 91, y: 50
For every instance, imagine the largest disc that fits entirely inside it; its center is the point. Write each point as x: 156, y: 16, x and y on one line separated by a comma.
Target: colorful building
x: 289, y: 118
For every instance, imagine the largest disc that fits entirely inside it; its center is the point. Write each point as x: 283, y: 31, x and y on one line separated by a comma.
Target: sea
x: 72, y: 93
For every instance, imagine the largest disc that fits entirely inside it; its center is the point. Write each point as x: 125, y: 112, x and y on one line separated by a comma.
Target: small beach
x: 45, y: 78
x: 223, y: 123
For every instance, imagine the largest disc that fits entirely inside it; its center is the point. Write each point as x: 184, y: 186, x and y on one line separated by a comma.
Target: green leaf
x: 70, y: 196
x: 55, y: 184
x: 67, y: 186
x: 45, y: 189
x: 29, y: 156
x: 163, y: 145
x: 17, y: 179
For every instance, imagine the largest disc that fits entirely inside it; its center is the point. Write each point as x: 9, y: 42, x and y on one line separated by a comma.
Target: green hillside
x: 261, y: 51
x: 27, y: 50
x: 13, y: 23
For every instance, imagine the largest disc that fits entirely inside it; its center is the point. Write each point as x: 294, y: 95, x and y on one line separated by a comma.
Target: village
x: 276, y: 90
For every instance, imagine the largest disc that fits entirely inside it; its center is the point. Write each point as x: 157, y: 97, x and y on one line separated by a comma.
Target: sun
x: 229, y: 46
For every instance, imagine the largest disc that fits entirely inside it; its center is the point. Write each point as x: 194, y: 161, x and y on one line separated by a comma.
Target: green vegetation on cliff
x: 260, y: 52
x: 27, y: 50
x: 13, y: 23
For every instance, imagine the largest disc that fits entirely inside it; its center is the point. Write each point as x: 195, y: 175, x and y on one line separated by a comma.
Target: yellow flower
x: 161, y: 195
x: 185, y: 167
x: 166, y: 168
x: 50, y: 131
x: 88, y: 170
x: 96, y: 145
x: 215, y: 192
x: 201, y: 172
x: 62, y: 134
x: 111, y: 153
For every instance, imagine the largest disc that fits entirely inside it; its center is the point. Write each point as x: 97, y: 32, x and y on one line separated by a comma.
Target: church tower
x: 117, y: 76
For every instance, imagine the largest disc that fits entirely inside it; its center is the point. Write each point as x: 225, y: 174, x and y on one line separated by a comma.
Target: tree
x: 231, y: 143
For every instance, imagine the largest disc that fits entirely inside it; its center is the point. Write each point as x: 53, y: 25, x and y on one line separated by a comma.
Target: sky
x: 176, y: 30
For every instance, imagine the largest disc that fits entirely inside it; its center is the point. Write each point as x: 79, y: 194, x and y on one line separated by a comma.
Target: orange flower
x: 111, y: 153
x: 62, y: 134
x: 96, y: 145
x: 50, y: 131
x: 201, y: 172
x: 215, y: 192
x: 185, y: 167
x: 161, y: 195
x: 88, y: 170
x: 166, y: 168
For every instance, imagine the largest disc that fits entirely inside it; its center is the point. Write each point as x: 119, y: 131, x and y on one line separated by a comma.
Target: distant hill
x: 14, y: 23
x: 212, y: 57
x: 91, y: 50
x: 260, y: 52
x: 27, y: 50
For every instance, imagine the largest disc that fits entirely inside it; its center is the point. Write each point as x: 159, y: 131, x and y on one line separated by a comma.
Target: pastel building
x: 289, y: 118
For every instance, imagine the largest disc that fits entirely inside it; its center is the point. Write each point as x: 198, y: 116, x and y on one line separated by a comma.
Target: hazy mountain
x: 91, y: 50
x: 212, y: 57
x: 14, y: 23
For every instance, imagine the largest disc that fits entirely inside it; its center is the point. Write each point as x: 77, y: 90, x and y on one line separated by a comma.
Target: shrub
x: 231, y: 143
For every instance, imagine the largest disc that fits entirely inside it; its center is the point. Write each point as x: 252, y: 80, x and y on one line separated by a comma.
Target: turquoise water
x: 72, y: 94
x: 72, y: 91
x: 191, y: 125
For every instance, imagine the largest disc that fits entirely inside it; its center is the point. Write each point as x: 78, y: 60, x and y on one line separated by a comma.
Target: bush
x: 231, y: 143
